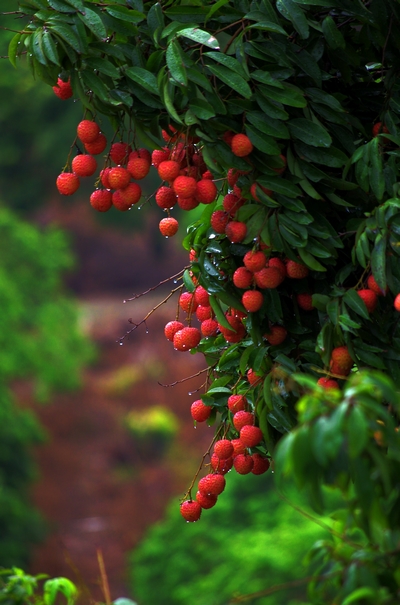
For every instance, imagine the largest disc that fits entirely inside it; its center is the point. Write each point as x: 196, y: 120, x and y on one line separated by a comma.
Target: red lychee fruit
x: 370, y: 299
x: 241, y: 145
x: 168, y: 171
x: 242, y: 278
x: 63, y: 90
x: 241, y: 418
x: 88, y: 131
x: 138, y: 168
x: 207, y: 175
x: 67, y: 183
x: 305, y: 301
x: 236, y: 231
x: 206, y: 501
x: 277, y: 263
x: 165, y: 198
x: 253, y: 191
x: 104, y: 177
x: 118, y: 201
x: 130, y: 194
x: 171, y: 328
x: 238, y: 331
x: 243, y: 464
x: 223, y: 448
x: 328, y: 383
x: 268, y: 278
x: 187, y: 302
x: 250, y: 435
x: 220, y: 465
x: 252, y: 300
x: 219, y: 220
x: 341, y: 358
x: 396, y: 303
x: 253, y: 377
x: 118, y: 178
x: 233, y: 175
x: 209, y: 327
x: 160, y: 155
x: 140, y: 153
x: 186, y: 339
x: 199, y: 411
x: 228, y: 136
x: 204, y: 312
x: 184, y: 186
x: 261, y: 464
x: 206, y: 191
x: 232, y: 203
x: 238, y: 447
x: 98, y: 145
x: 296, y: 270
x: 191, y: 510
x: 378, y: 128
x: 119, y: 152
x: 372, y: 285
x: 276, y: 335
x: 212, y: 484
x: 101, y: 200
x: 254, y: 261
x: 84, y: 165
x: 201, y: 296
x: 168, y: 226
x: 237, y: 403
x: 187, y: 203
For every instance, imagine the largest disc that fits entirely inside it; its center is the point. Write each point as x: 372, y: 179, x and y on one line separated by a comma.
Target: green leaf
x: 328, y: 157
x: 356, y: 303
x: 50, y: 48
x: 332, y: 35
x: 324, y: 342
x: 293, y: 13
x: 269, y: 108
x: 93, y: 22
x: 376, y: 176
x: 309, y: 132
x: 144, y: 78
x: 371, y: 359
x: 228, y: 61
x: 202, y: 109
x: 61, y: 6
x: 175, y: 63
x: 233, y: 80
x: 196, y: 76
x: 13, y: 48
x: 94, y: 83
x: 265, y: 25
x: 125, y: 14
x: 290, y: 95
x: 309, y: 260
x: 219, y: 314
x: 262, y: 141
x: 37, y: 47
x: 378, y: 261
x: 357, y: 431
x: 280, y: 185
x: 78, y: 4
x: 103, y: 66
x: 200, y: 36
x: 66, y: 34
x: 215, y: 7
x: 274, y: 128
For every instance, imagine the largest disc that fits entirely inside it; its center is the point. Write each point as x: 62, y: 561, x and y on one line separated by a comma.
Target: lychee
x: 186, y: 339
x: 241, y: 145
x: 67, y: 183
x: 168, y: 226
x: 101, y: 200
x: 88, y: 131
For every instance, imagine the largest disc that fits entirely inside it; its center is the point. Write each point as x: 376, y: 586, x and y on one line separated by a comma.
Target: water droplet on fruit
x: 120, y: 344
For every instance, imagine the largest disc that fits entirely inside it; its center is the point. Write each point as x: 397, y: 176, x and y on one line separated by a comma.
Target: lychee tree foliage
x: 285, y: 114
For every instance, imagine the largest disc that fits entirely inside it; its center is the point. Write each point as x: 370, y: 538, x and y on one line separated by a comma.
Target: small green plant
x: 19, y: 588
x: 152, y: 429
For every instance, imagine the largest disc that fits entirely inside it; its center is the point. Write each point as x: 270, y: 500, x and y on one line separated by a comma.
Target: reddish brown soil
x: 98, y: 489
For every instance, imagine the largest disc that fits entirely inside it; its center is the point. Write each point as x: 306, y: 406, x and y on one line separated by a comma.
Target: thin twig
x: 161, y: 283
x: 104, y: 580
x: 199, y: 373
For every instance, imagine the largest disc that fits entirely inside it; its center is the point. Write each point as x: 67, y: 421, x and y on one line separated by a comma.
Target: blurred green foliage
x: 40, y: 340
x: 249, y: 542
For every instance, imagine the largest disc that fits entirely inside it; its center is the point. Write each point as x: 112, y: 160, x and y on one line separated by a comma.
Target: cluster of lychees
x: 228, y: 453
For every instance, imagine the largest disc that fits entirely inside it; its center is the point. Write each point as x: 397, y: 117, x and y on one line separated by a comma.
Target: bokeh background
x: 95, y: 448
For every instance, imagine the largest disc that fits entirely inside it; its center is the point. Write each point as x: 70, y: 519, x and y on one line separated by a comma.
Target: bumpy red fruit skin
x: 236, y: 231
x: 253, y: 378
x: 209, y: 327
x: 63, y: 90
x: 131, y: 194
x: 242, y: 278
x: 187, y: 302
x: 241, y: 418
x: 268, y: 278
x: 238, y: 330
x: 396, y: 303
x: 206, y: 501
x: 199, y: 411
x: 119, y: 203
x: 67, y: 183
x: 171, y: 328
x: 223, y: 449
x: 252, y: 300
x: 160, y: 155
x: 378, y: 128
x: 253, y: 191
x: 168, y: 226
x: 204, y: 312
x: 370, y: 299
x: 138, y: 168
x: 98, y: 145
x: 277, y: 263
x: 305, y: 301
x: 219, y: 220
x: 186, y: 339
x: 119, y: 152
x: 328, y: 383
x: 187, y: 203
x: 165, y: 198
x: 232, y: 203
x: 237, y: 403
x: 243, y: 464
x: 296, y: 270
x: 140, y: 153
x: 241, y: 145
x: 251, y: 435
x: 201, y: 296
x: 276, y: 335
x: 104, y: 177
x: 119, y: 178
x: 341, y: 358
x: 206, y: 191
x: 238, y: 447
x: 254, y: 261
x: 212, y: 484
x: 261, y: 464
x: 221, y: 466
x: 372, y: 285
x: 184, y: 186
x: 101, y: 200
x: 84, y: 165
x: 169, y: 170
x: 88, y: 131
x: 191, y: 510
